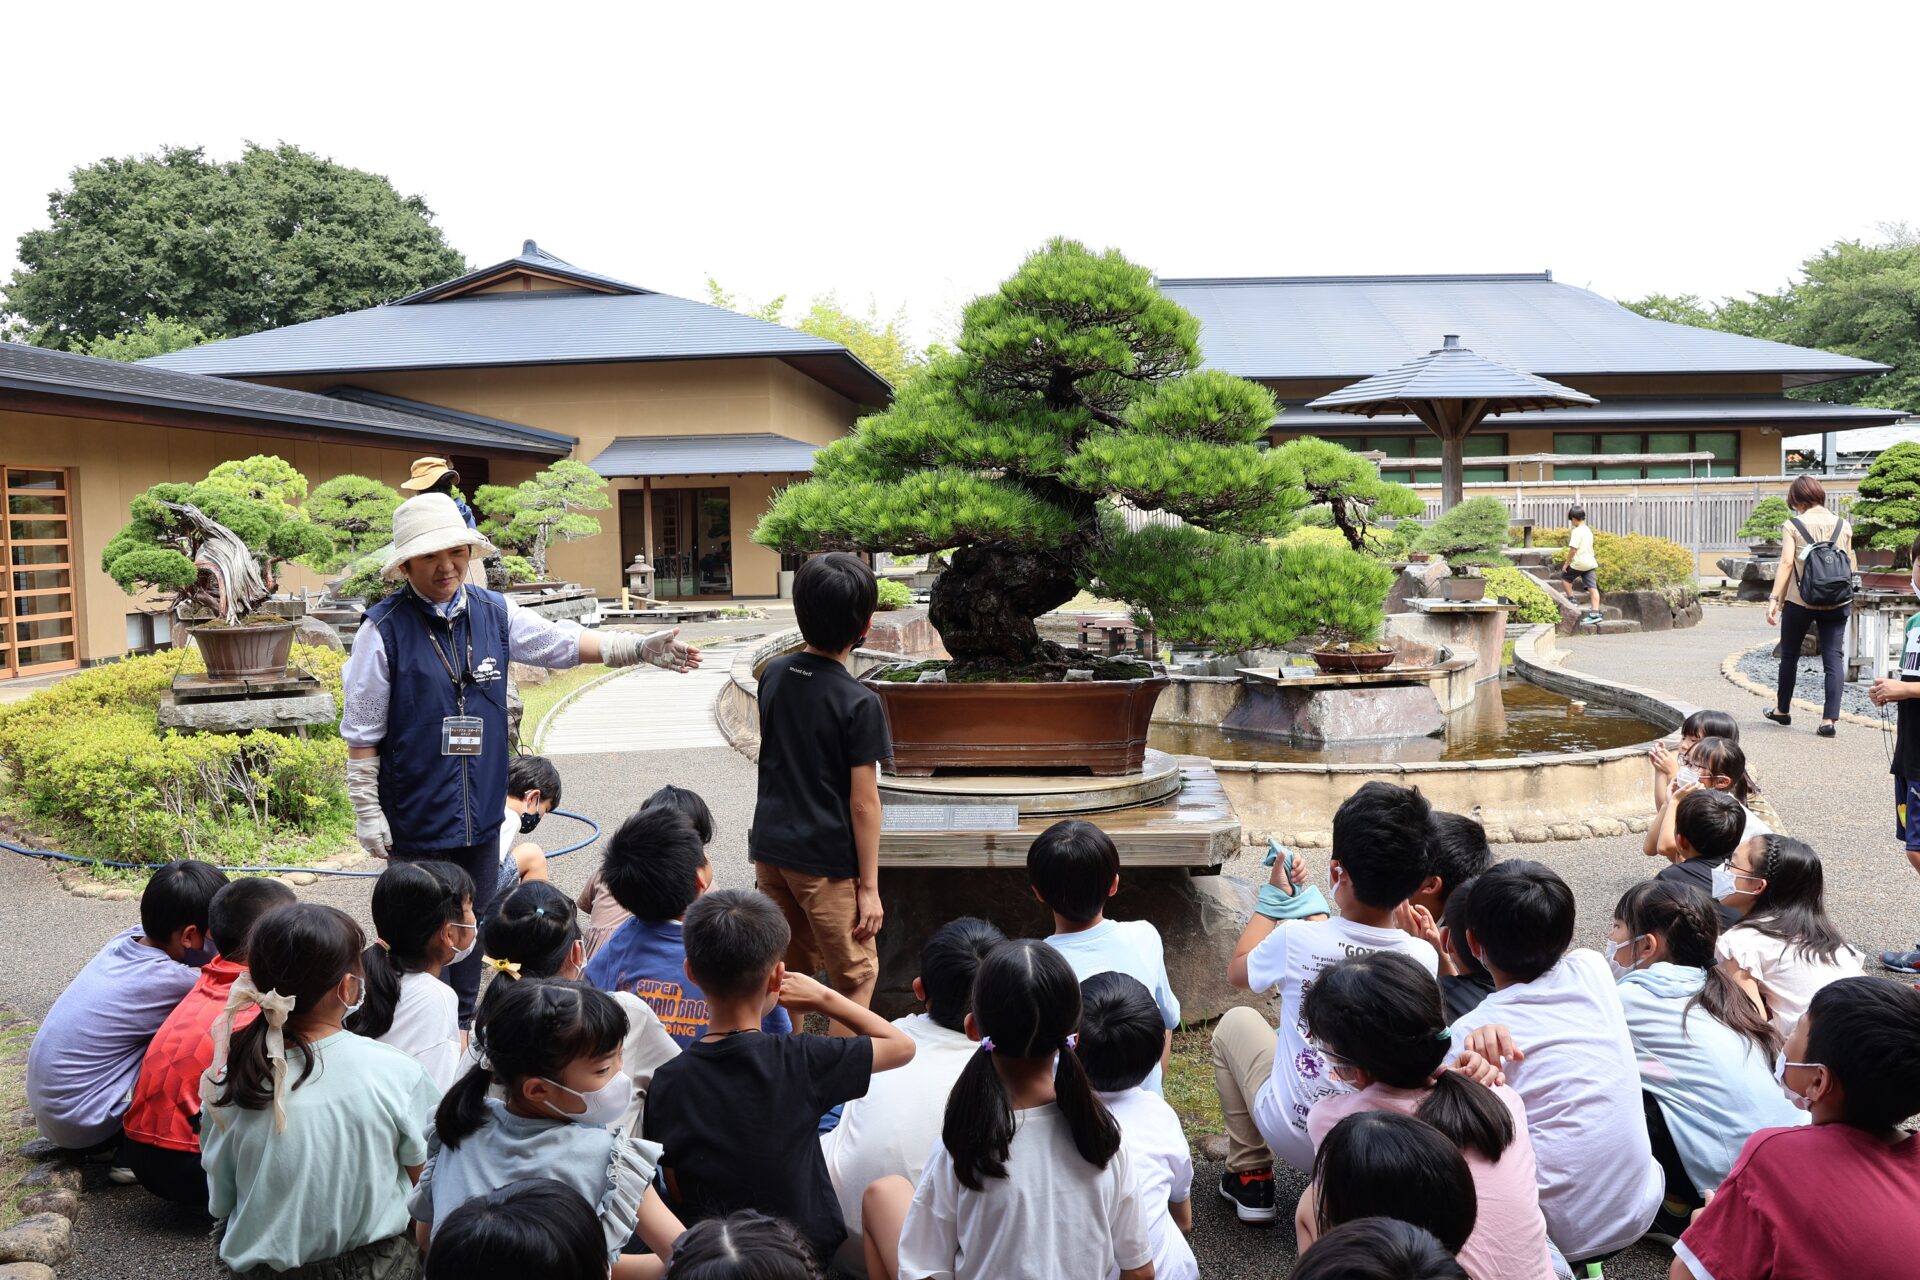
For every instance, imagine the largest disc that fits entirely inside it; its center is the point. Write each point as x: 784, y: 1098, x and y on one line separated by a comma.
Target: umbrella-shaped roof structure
x: 1451, y: 390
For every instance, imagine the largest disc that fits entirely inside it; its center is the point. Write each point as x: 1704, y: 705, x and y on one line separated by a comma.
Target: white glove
x: 662, y: 649
x: 369, y: 820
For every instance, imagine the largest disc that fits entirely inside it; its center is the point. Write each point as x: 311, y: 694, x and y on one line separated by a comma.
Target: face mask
x: 462, y: 953
x: 1613, y: 950
x: 1798, y: 1098
x: 1726, y: 882
x: 528, y: 821
x: 199, y: 956
x: 355, y: 1006
x: 1685, y: 776
x: 604, y: 1105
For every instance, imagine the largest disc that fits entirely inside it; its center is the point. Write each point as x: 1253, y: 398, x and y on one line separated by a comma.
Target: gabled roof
x: 531, y: 263
x: 606, y: 322
x: 1357, y: 326
x: 742, y: 454
x: 1450, y: 372
x: 50, y: 376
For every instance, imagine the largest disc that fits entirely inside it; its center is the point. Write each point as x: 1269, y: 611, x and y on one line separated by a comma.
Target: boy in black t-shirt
x: 1904, y: 690
x: 815, y: 841
x: 1707, y: 826
x: 738, y: 1112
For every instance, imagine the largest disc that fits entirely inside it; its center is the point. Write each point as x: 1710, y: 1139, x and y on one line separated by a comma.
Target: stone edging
x: 1730, y: 668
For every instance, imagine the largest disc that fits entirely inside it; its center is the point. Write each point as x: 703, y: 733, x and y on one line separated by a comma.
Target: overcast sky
x: 912, y: 152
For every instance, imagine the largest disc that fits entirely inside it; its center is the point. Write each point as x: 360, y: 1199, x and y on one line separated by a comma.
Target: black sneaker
x: 1669, y: 1223
x: 1250, y: 1192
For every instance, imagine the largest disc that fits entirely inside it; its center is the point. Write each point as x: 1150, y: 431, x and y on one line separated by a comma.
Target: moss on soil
x: 1040, y: 673
x: 1189, y: 1085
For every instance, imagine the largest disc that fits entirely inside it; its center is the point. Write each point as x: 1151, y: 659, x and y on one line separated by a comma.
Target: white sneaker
x: 122, y: 1176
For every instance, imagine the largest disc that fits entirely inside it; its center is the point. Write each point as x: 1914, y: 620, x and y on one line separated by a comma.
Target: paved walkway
x: 645, y: 709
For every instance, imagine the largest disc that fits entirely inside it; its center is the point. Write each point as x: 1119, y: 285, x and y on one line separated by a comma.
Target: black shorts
x: 1579, y: 579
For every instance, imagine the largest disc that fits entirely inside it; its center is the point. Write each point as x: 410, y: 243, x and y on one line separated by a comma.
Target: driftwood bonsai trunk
x: 984, y: 604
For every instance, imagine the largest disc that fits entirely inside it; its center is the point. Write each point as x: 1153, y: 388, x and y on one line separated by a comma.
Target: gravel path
x: 1840, y: 803
x: 1810, y: 682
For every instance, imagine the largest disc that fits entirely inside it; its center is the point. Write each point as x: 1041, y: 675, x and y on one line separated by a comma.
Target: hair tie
x: 540, y: 911
x: 1073, y: 1040
x: 382, y: 944
x: 1444, y: 1034
x: 986, y: 1044
x: 274, y: 1009
x: 511, y: 968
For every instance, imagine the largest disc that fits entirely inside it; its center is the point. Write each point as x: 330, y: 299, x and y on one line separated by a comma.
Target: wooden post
x: 646, y: 522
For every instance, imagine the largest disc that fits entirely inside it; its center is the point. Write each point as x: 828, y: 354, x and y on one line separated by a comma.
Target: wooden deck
x: 1194, y: 828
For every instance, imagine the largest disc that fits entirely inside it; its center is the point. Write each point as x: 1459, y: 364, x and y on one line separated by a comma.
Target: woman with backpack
x: 1814, y: 588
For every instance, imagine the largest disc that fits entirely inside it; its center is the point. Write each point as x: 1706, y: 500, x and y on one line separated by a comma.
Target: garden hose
x: 51, y: 855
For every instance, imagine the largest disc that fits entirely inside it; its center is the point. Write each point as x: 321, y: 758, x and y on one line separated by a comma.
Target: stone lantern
x: 640, y: 576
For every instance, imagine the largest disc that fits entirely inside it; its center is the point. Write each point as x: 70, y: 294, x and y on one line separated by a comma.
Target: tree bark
x: 984, y: 604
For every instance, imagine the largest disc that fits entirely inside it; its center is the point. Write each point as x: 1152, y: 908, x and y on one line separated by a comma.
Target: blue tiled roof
x: 533, y: 258
x: 1450, y: 372
x: 1357, y: 326
x: 746, y: 453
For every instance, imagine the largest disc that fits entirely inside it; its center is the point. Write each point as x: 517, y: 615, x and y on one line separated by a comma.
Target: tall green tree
x: 276, y: 237
x: 528, y: 518
x: 879, y: 340
x: 153, y: 336
x: 1675, y: 308
x: 1076, y: 388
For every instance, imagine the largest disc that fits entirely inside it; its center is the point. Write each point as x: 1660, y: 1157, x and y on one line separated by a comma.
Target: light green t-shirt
x: 1581, y: 540
x: 337, y: 1178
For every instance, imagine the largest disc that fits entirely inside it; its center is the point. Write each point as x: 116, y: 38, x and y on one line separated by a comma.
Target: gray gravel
x: 1839, y: 803
x: 1810, y: 683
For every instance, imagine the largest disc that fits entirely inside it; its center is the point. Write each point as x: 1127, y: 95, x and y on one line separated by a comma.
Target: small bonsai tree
x: 1887, y: 515
x: 528, y: 518
x: 208, y: 546
x: 1076, y: 389
x: 263, y: 478
x: 1763, y: 525
x: 356, y: 514
x: 1348, y: 489
x: 1473, y: 534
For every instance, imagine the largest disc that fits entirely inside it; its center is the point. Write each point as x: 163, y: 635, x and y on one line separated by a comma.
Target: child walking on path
x: 815, y: 841
x: 1579, y: 569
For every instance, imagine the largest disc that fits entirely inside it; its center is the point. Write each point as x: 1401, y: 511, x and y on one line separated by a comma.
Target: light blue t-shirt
x: 1131, y: 947
x: 337, y: 1178
x: 86, y: 1055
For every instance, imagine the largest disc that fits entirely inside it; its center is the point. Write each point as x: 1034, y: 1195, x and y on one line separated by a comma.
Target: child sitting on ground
x: 741, y: 1246
x: 1031, y: 1178
x: 533, y: 792
x: 162, y: 1125
x: 1378, y: 1249
x: 310, y: 1158
x: 893, y: 1127
x: 1833, y: 1200
x: 553, y: 1049
x: 1460, y: 851
x: 605, y: 915
x: 1666, y: 760
x: 1706, y: 1052
x: 534, y: 1227
x: 87, y: 1052
x: 1464, y: 981
x: 1388, y: 1161
x: 1120, y: 1043
x: 423, y: 922
x: 1074, y: 868
x: 1378, y: 1021
x: 657, y: 867
x: 1711, y: 764
x: 1706, y: 830
x: 535, y: 934
x: 1268, y: 1080
x: 1784, y: 948
x: 738, y: 1112
x: 1569, y: 1057
x: 815, y: 841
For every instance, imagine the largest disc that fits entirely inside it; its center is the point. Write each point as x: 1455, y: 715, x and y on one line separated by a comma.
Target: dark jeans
x: 1795, y: 619
x: 169, y: 1174
x: 1679, y: 1185
x: 482, y: 863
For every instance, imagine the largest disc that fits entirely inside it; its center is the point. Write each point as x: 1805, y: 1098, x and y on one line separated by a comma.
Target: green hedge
x: 1632, y: 561
x: 87, y: 760
x: 1531, y: 603
x: 894, y: 594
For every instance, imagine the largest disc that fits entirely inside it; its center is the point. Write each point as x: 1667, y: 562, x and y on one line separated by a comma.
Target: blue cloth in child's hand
x: 1276, y: 903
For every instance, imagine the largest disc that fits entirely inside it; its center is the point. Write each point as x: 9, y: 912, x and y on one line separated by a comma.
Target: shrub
x: 1473, y: 533
x: 1531, y: 603
x: 1348, y: 490
x: 1887, y: 514
x: 1768, y: 515
x: 519, y: 569
x: 1632, y: 561
x: 893, y: 595
x: 88, y: 759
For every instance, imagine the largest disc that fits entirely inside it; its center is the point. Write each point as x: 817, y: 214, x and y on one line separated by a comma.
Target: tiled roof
x: 1696, y: 413
x: 530, y: 258
x: 747, y: 453
x: 1450, y: 372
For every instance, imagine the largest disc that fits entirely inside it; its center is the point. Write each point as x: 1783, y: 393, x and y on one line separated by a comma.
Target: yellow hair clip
x: 509, y: 967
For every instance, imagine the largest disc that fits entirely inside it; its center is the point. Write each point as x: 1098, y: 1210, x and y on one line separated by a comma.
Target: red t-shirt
x: 1817, y: 1202
x: 167, y: 1095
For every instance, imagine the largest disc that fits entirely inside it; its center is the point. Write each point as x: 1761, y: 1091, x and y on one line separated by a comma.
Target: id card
x: 461, y: 735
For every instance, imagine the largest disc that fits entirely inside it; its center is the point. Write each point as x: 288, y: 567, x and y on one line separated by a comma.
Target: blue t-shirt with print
x: 648, y: 958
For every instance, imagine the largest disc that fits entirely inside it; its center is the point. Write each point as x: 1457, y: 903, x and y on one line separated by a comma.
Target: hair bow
x: 274, y: 1009
x: 511, y: 968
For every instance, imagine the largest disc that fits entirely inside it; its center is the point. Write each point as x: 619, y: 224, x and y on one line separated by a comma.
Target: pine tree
x: 1887, y: 515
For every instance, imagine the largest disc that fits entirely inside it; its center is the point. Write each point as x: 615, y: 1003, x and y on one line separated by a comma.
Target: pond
x: 1511, y: 718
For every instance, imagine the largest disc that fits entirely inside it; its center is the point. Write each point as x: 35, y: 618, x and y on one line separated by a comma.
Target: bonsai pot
x: 1095, y: 724
x: 1871, y: 559
x: 1884, y: 579
x: 1461, y: 590
x: 1343, y: 662
x: 1769, y: 550
x: 1419, y: 557
x: 250, y: 649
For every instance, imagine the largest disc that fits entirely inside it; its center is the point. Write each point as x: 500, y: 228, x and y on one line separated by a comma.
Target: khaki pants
x: 1243, y: 1047
x: 820, y: 915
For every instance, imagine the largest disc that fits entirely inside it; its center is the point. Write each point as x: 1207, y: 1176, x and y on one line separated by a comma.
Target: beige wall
x: 112, y: 462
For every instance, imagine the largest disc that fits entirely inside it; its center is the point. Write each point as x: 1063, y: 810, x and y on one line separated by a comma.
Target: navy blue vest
x: 434, y: 801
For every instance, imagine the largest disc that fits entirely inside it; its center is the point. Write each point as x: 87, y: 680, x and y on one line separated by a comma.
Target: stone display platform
x: 201, y: 703
x: 1321, y: 713
x: 1058, y: 795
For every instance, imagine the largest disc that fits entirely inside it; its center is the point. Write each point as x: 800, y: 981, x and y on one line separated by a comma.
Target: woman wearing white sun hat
x: 426, y: 702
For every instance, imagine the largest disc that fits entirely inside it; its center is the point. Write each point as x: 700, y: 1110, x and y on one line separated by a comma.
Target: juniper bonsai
x: 356, y: 514
x: 1473, y: 533
x: 1075, y: 388
x: 1769, y: 514
x: 1887, y: 515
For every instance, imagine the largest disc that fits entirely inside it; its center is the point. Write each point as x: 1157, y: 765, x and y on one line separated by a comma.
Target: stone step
x: 1617, y: 626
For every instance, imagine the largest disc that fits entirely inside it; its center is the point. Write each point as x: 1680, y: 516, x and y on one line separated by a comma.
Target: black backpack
x: 1826, y: 574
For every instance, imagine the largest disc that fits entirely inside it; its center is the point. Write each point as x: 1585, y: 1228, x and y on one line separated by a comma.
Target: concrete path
x: 642, y: 710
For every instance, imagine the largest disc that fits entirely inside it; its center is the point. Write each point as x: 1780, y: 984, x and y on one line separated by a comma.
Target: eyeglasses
x: 1334, y: 1059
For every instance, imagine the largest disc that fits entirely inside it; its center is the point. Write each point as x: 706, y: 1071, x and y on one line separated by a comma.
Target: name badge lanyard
x: 460, y: 733
x: 462, y: 678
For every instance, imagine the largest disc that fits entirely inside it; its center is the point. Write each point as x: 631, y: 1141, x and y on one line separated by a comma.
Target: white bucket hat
x: 424, y: 525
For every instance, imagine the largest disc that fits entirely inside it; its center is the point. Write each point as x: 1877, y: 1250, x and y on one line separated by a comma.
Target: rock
x: 1657, y: 610
x: 1638, y: 826
x: 89, y: 889
x: 1752, y: 576
x: 1531, y: 835
x: 302, y: 878
x: 40, y: 1149
x: 249, y: 714
x: 1607, y: 826
x: 52, y: 1174
x: 1212, y: 1146
x: 313, y: 631
x: 531, y: 677
x: 60, y: 1200
x: 1568, y: 831
x: 118, y: 895
x: 1416, y: 581
x: 1499, y: 835
x: 1366, y: 714
x: 1314, y: 840
x: 908, y: 632
x: 46, y: 1238
x: 25, y: 1271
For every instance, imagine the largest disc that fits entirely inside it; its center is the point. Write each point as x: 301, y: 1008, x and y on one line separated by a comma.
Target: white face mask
x: 1798, y: 1098
x: 355, y: 1006
x: 605, y: 1105
x: 461, y: 953
x: 1685, y: 776
x: 1613, y: 950
x: 1726, y: 882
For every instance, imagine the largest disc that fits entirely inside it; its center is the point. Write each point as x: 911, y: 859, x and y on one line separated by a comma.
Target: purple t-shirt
x: 87, y: 1053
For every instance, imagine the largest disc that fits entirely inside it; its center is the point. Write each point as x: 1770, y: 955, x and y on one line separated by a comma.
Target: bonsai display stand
x: 1320, y: 710
x: 240, y: 704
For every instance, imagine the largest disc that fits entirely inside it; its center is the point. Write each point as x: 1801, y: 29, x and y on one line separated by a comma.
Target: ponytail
x: 1026, y: 1002
x: 530, y: 936
x: 1689, y: 922
x: 297, y: 953
x: 538, y: 1027
x: 463, y: 1110
x: 1467, y: 1112
x: 412, y: 903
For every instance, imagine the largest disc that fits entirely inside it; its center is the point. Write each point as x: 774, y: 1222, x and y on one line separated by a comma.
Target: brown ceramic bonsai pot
x: 1342, y: 662
x: 249, y: 649
x: 1094, y: 724
x: 1462, y: 590
x: 1884, y: 579
x: 1872, y: 559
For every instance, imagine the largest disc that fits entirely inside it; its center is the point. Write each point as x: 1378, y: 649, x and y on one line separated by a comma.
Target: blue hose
x: 51, y: 855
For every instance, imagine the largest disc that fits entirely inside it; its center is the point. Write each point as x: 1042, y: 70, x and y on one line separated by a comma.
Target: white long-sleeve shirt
x: 531, y: 639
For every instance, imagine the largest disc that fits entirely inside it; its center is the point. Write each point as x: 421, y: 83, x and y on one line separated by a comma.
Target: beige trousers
x: 1242, y: 1061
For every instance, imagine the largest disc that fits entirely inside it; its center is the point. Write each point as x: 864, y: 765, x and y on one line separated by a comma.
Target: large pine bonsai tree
x: 1887, y: 515
x: 1075, y: 387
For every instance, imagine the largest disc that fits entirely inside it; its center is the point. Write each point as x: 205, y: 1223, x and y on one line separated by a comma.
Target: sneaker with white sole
x: 1250, y: 1192
x: 122, y: 1176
